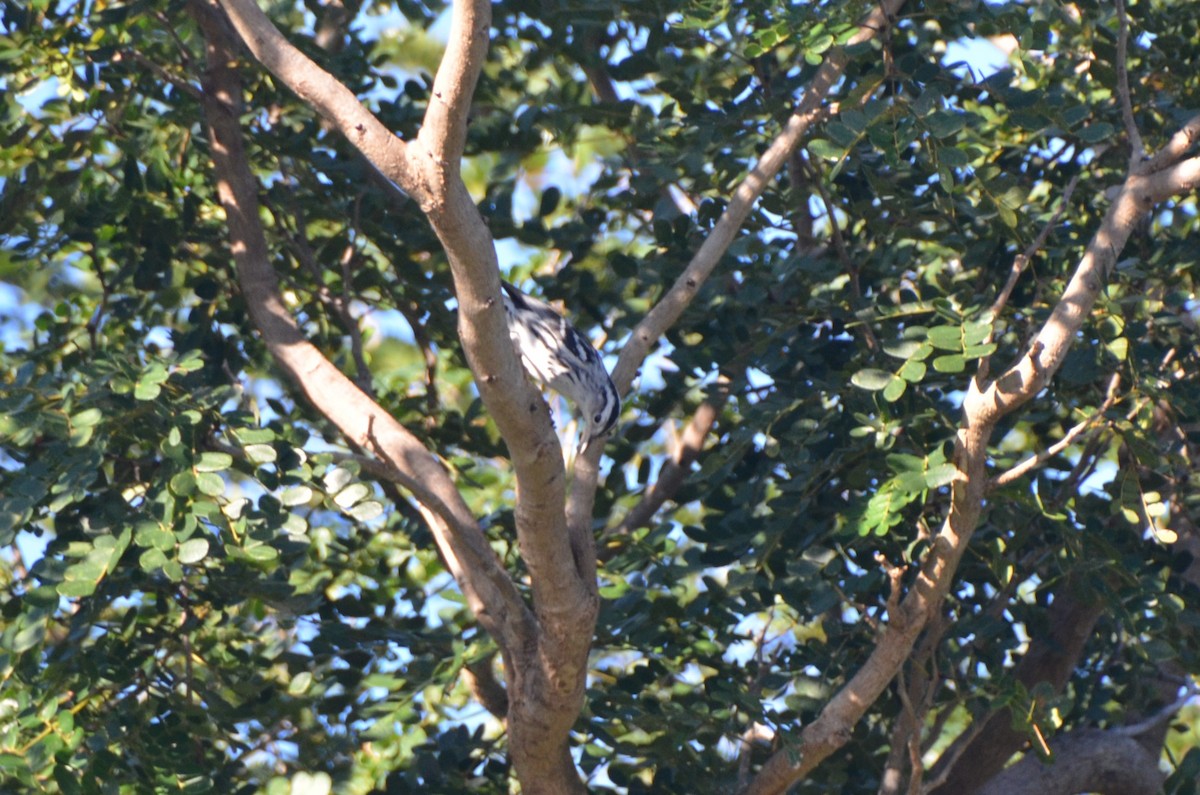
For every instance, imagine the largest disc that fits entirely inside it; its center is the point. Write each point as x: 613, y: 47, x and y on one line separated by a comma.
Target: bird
x: 556, y: 355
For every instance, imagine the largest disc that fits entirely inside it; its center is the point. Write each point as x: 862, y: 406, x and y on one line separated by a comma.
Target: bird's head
x: 600, y: 409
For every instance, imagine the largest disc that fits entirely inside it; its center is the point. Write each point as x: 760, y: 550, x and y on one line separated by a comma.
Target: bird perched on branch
x: 556, y: 355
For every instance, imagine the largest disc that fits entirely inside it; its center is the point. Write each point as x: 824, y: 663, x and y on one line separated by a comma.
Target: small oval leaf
x: 193, y: 550
x: 871, y: 379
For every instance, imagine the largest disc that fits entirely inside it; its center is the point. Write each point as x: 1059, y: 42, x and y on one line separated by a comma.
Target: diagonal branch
x: 1033, y: 461
x: 320, y: 90
x: 985, y: 404
x: 428, y: 169
x: 667, y: 311
x: 488, y: 589
x: 675, y: 470
x: 546, y: 658
x: 672, y: 305
x: 1175, y: 148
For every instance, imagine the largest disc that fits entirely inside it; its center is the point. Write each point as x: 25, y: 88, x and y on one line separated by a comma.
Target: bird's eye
x: 597, y: 418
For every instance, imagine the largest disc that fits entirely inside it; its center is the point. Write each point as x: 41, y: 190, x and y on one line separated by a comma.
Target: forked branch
x: 485, y: 583
x: 986, y: 403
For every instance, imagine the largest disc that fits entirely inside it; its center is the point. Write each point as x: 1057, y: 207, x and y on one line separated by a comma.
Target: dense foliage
x: 205, y: 586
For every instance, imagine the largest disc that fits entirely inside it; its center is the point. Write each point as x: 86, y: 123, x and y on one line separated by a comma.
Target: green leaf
x: 193, y: 550
x: 905, y: 462
x: 12, y: 761
x: 940, y: 475
x: 81, y: 436
x: 262, y: 553
x: 173, y: 570
x: 910, y: 482
x: 210, y: 483
x: 943, y: 124
x: 251, y: 436
x: 1008, y: 216
x: 366, y: 511
x: 871, y: 379
x: 295, y: 524
x: 894, y: 390
x: 946, y: 338
x: 826, y: 149
x: 1096, y: 133
x: 953, y: 157
x: 979, y: 351
x: 152, y: 560
x: 913, y: 371
x: 820, y: 44
x: 952, y: 363
x: 300, y: 683
x: 77, y: 588
x: 337, y: 478
x: 154, y: 535
x: 296, y: 495
x: 260, y: 454
x: 902, y: 349
x: 87, y: 418
x: 975, y: 332
x: 183, y: 484
x: 213, y: 462
x: 351, y: 494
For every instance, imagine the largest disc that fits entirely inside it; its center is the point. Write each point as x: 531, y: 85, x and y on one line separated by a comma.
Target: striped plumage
x: 558, y: 356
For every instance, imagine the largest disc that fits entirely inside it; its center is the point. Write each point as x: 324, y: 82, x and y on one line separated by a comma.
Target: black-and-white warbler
x: 558, y: 356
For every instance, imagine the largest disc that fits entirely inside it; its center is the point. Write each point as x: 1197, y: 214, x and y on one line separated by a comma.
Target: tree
x: 913, y: 501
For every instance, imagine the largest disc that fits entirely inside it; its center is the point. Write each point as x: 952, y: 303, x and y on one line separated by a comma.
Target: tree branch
x: 977, y: 756
x: 1137, y: 150
x: 672, y: 305
x: 429, y: 171
x: 489, y: 591
x: 320, y: 90
x: 546, y: 688
x: 1089, y: 760
x: 985, y: 404
x: 668, y: 310
x: 675, y: 471
x: 1176, y: 147
x: 1062, y: 444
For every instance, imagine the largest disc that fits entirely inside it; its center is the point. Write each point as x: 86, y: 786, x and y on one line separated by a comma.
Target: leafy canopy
x: 205, y: 589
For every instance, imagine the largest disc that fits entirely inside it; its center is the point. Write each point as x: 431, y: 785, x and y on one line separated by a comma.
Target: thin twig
x: 159, y: 71
x: 752, y: 731
x: 1040, y: 458
x: 1020, y: 263
x: 839, y: 248
x: 674, y: 471
x: 1137, y: 148
x: 338, y: 304
x: 412, y: 314
x: 1022, y: 260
